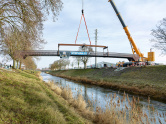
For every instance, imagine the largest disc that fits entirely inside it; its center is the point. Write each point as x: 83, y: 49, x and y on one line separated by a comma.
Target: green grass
x: 153, y: 74
x: 26, y: 99
x: 28, y: 74
x: 149, y: 80
x: 78, y: 72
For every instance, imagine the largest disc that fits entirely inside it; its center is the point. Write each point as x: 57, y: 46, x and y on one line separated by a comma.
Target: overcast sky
x: 141, y: 16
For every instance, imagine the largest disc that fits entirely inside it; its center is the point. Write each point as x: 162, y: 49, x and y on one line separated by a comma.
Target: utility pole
x: 96, y: 48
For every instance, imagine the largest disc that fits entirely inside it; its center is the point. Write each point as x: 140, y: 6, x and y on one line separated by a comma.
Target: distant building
x: 102, y: 65
x: 158, y: 63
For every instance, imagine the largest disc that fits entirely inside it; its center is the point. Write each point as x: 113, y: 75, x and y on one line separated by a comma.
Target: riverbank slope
x: 147, y: 81
x: 24, y: 98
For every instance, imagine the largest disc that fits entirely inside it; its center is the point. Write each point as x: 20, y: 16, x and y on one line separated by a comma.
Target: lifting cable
x: 82, y: 16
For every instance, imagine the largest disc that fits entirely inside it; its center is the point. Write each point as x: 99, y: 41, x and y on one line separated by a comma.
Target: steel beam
x: 82, y: 45
x: 131, y: 57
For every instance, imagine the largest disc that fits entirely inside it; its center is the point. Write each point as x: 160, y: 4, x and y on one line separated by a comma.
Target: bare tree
x: 21, y: 24
x: 29, y: 63
x: 67, y: 63
x: 26, y: 13
x: 54, y: 66
x: 14, y: 41
x: 59, y: 64
x: 72, y: 65
x: 78, y: 60
x: 160, y: 36
x: 85, y: 59
x: 64, y: 63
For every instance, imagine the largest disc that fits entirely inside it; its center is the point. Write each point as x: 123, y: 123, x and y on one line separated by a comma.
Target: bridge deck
x: 130, y: 57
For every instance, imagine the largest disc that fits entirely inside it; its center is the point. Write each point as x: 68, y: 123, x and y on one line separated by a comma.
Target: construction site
x: 136, y: 58
x: 76, y: 89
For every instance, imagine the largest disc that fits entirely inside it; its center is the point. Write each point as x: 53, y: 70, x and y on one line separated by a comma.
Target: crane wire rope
x: 82, y: 4
x: 82, y: 16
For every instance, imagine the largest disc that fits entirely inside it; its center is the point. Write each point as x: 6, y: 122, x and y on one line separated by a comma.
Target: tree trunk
x: 20, y: 65
x: 14, y: 64
x: 84, y: 65
x: 17, y: 64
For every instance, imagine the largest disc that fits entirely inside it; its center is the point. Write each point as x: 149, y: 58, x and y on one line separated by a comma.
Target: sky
x: 141, y: 16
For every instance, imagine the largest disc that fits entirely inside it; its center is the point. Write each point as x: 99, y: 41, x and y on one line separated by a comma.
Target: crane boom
x: 134, y: 47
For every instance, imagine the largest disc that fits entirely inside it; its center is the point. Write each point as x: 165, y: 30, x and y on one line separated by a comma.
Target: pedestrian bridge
x: 63, y: 54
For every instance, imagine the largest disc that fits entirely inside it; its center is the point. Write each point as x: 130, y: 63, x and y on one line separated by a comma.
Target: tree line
x: 59, y: 64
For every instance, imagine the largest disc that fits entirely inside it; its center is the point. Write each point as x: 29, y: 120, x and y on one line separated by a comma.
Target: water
x: 99, y: 96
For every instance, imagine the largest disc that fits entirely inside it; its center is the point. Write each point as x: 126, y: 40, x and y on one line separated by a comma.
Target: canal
x: 99, y: 96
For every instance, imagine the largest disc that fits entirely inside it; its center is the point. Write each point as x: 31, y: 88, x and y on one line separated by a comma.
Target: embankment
x: 147, y: 81
x: 24, y: 98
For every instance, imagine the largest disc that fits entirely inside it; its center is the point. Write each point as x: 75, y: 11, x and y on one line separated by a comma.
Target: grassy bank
x: 24, y: 99
x: 148, y: 81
